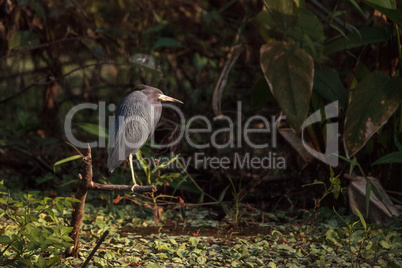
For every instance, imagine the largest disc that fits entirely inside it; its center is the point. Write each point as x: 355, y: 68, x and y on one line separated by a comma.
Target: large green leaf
x: 328, y: 85
x: 365, y: 36
x: 289, y: 72
x: 395, y: 157
x: 372, y: 103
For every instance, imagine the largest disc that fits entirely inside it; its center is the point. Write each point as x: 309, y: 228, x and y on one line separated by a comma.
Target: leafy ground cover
x: 282, y: 241
x: 34, y: 233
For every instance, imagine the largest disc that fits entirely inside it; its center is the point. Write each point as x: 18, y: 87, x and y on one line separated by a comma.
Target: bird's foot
x: 132, y: 188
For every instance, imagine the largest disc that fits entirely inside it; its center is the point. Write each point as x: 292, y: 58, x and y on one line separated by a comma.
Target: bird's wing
x: 134, y: 122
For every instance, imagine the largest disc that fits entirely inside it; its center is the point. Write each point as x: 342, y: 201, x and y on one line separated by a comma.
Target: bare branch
x: 85, y: 185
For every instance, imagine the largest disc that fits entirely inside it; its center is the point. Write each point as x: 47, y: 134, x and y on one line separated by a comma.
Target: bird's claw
x: 132, y: 188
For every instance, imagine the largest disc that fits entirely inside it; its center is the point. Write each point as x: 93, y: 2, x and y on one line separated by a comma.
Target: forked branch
x: 85, y: 185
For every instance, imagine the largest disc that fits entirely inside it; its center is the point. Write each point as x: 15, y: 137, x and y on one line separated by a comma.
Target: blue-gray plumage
x: 135, y: 120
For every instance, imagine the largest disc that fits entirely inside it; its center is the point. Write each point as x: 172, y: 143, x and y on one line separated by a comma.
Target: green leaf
x: 39, y: 10
x: 52, y: 261
x: 201, y: 260
x: 344, y: 158
x: 223, y: 193
x: 167, y: 42
x: 199, y: 61
x: 372, y: 103
x: 194, y: 241
x: 365, y: 36
x: 344, y: 221
x: 66, y: 230
x: 142, y: 161
x: 4, y: 239
x: 336, y: 186
x: 385, y: 244
x: 94, y: 129
x: 382, y: 3
x: 352, y: 165
x: 67, y: 238
x: 276, y: 235
x: 22, y: 40
x: 65, y: 160
x: 309, y: 32
x: 395, y: 157
x: 75, y: 148
x: 163, y: 165
x: 289, y: 73
x: 362, y: 220
x: 329, y: 86
x: 356, y: 5
x: 282, y: 13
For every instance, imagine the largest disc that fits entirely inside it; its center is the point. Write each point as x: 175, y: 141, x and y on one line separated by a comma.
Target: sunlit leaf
x: 362, y: 220
x: 65, y: 160
x: 165, y: 164
x: 372, y: 103
x: 142, y: 161
x: 94, y: 129
x: 75, y: 148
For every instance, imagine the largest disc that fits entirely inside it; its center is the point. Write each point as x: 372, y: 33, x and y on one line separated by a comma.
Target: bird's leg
x: 130, y: 159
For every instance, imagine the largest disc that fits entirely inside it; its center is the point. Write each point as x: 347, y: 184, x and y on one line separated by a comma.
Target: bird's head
x: 155, y: 95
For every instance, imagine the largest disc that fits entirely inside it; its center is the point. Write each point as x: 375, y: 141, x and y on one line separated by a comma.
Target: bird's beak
x: 167, y: 98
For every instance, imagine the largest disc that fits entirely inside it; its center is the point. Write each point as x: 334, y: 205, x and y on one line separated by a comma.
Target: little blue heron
x: 135, y: 120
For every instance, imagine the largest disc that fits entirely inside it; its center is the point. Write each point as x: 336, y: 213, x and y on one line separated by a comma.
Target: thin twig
x: 95, y: 249
x: 19, y: 52
x: 23, y: 90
